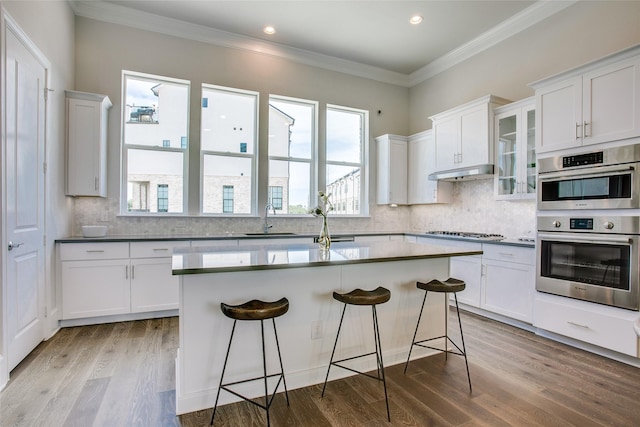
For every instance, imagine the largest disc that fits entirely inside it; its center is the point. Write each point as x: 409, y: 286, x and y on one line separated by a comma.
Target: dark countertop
x: 220, y: 259
x: 241, y: 236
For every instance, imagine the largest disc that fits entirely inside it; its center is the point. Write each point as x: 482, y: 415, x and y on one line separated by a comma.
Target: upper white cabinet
x: 464, y: 135
x: 87, y: 144
x: 422, y: 162
x: 595, y: 103
x: 515, y: 165
x: 392, y: 169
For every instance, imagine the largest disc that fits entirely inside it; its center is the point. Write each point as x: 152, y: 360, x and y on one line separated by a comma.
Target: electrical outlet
x: 316, y: 329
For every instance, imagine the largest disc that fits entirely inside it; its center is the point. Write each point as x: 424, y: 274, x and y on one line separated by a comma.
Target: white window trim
x: 124, y: 151
x: 364, y: 161
x: 313, y: 161
x: 254, y: 156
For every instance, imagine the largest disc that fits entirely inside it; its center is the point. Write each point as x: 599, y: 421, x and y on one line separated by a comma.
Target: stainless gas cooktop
x: 466, y: 235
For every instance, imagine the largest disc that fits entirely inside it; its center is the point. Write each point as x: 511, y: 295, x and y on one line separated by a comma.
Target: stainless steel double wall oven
x: 589, y: 226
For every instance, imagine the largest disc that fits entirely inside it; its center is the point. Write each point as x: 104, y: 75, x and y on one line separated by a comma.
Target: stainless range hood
x: 463, y: 174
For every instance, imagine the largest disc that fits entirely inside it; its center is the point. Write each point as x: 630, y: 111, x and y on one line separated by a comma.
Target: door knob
x: 12, y: 245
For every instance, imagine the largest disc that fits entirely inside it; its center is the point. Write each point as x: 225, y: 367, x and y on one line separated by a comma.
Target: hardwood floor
x: 122, y: 374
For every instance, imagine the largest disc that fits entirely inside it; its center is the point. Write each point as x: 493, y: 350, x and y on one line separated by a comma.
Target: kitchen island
x: 306, y: 276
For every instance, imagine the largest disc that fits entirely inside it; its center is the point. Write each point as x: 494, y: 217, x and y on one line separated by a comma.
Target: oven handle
x: 585, y: 173
x: 587, y: 238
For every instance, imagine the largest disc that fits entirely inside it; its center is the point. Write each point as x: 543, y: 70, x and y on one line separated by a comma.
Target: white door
x: 24, y: 216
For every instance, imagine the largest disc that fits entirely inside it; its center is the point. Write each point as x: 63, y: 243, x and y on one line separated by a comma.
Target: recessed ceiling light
x: 415, y: 19
x: 269, y: 30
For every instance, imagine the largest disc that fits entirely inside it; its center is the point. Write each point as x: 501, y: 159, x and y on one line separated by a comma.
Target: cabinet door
x: 84, y: 175
x: 509, y: 289
x: 153, y: 287
x: 392, y: 170
x: 611, y: 103
x: 469, y: 269
x: 95, y: 288
x: 559, y: 118
x: 527, y: 150
x: 418, y: 175
x: 507, y: 181
x: 474, y: 137
x: 446, y: 132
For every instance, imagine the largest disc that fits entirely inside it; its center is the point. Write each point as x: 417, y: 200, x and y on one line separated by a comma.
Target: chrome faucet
x: 267, y: 226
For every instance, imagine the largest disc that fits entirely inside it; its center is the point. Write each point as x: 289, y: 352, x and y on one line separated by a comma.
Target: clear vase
x: 324, y: 240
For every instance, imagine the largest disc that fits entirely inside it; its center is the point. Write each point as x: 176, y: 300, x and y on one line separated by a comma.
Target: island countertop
x: 218, y: 259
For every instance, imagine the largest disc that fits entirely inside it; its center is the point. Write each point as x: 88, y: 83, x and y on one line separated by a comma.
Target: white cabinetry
x: 87, y: 144
x: 392, y: 169
x: 515, y: 165
x: 153, y: 287
x: 606, y: 327
x: 464, y: 135
x: 595, y: 103
x: 103, y: 279
x: 95, y: 279
x: 509, y: 281
x: 422, y: 162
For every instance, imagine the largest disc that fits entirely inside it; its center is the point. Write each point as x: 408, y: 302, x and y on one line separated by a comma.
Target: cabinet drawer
x: 598, y: 325
x: 90, y: 251
x: 508, y: 253
x: 156, y: 249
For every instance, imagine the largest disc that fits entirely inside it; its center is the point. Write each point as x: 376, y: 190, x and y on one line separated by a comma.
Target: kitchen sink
x: 270, y: 234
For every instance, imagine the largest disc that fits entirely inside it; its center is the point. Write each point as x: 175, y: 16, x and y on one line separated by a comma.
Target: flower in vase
x: 324, y: 207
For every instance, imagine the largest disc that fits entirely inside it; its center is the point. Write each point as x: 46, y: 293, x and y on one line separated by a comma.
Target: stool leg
x: 284, y: 381
x: 264, y: 366
x: 416, y: 332
x: 376, y: 331
x: 464, y: 349
x: 446, y: 325
x: 334, y: 350
x: 224, y: 367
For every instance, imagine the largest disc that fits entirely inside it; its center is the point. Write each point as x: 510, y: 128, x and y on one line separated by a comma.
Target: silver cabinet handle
x: 133, y: 272
x: 577, y: 126
x: 577, y: 324
x: 126, y: 271
x: 585, y: 129
x: 11, y: 246
x: 160, y: 249
x: 95, y: 251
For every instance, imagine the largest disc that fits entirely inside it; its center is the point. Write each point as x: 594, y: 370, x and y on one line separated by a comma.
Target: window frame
x: 363, y: 202
x: 124, y: 148
x: 254, y: 157
x: 312, y: 160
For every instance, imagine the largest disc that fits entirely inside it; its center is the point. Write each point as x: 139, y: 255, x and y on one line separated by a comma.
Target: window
x: 292, y: 151
x: 155, y: 112
x: 227, y: 198
x: 229, y: 119
x: 163, y: 198
x: 184, y: 142
x: 275, y: 197
x: 346, y: 148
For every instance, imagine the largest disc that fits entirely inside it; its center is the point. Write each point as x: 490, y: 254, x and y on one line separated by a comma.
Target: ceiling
x: 372, y: 36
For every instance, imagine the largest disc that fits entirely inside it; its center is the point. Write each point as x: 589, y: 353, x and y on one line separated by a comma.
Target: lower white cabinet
x: 509, y: 281
x: 104, y: 279
x: 600, y: 325
x: 95, y: 288
x: 501, y: 280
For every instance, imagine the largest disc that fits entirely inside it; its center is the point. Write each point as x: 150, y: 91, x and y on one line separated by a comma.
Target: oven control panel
x: 629, y: 225
x: 583, y: 159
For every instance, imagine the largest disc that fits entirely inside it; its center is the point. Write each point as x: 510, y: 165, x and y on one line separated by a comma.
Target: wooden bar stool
x: 453, y: 286
x: 255, y: 310
x: 360, y: 297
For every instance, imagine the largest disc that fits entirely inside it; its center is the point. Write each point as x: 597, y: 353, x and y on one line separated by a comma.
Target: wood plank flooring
x: 122, y: 374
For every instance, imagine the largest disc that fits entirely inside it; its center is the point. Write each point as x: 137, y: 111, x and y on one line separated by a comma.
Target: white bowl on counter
x: 94, y: 230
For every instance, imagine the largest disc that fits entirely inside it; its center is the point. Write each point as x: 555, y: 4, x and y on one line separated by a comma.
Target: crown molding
x: 535, y: 13
x: 121, y: 15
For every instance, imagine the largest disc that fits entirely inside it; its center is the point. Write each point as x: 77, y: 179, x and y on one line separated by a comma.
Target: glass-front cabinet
x: 515, y: 163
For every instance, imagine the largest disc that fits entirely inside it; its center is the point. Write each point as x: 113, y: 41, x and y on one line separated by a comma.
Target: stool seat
x: 256, y: 309
x: 359, y: 297
x: 449, y: 285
